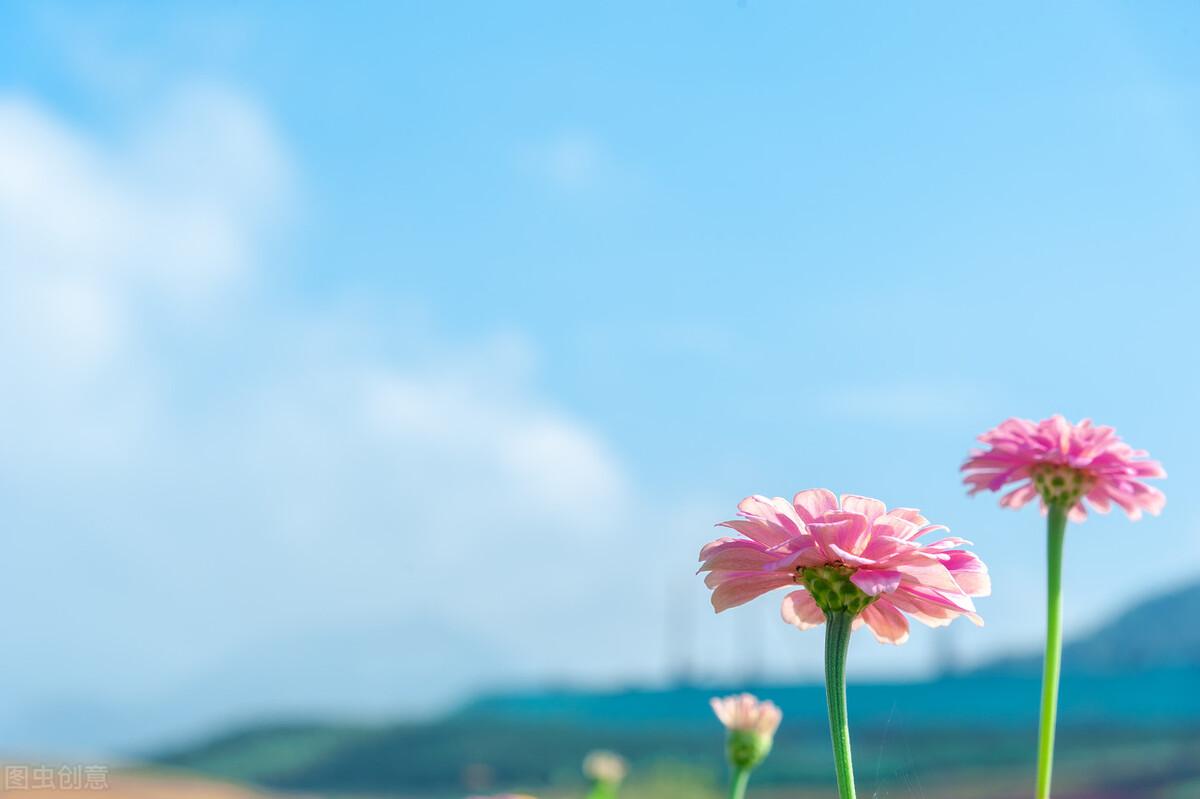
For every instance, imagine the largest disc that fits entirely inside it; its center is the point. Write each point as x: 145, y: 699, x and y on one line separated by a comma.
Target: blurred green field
x: 456, y: 758
x: 1129, y: 714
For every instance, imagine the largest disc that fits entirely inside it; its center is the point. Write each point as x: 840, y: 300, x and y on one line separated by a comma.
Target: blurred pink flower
x: 745, y: 712
x: 1064, y: 462
x: 604, y: 766
x: 854, y: 555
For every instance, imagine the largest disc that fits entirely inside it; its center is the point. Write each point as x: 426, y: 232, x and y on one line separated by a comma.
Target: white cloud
x: 903, y: 402
x: 235, y: 465
x: 100, y: 234
x: 179, y: 201
x: 87, y: 227
x: 547, y: 458
x: 571, y: 161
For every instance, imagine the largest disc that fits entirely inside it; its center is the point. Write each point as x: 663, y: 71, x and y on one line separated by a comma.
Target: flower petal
x: 807, y: 555
x: 841, y: 529
x: 887, y: 624
x: 969, y: 572
x: 734, y: 556
x: 874, y: 582
x: 738, y: 588
x: 909, y: 515
x: 716, y: 545
x: 800, y: 610
x: 894, y: 526
x: 757, y: 530
x: 872, y: 509
x: 813, y: 503
x: 773, y: 510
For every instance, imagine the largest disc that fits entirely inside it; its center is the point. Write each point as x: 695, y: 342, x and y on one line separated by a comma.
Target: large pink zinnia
x: 1062, y: 462
x: 854, y: 555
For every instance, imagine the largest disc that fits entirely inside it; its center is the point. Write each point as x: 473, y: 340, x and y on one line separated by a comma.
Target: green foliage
x: 438, y: 760
x: 1127, y: 729
x: 673, y: 780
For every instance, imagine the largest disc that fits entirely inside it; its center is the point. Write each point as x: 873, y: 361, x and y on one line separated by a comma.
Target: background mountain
x: 1134, y: 689
x: 1161, y: 632
x: 1136, y: 723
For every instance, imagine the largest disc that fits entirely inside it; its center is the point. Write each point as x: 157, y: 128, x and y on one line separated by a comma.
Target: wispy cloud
x: 98, y: 237
x: 572, y: 161
x: 903, y: 402
x: 209, y: 433
x: 539, y: 456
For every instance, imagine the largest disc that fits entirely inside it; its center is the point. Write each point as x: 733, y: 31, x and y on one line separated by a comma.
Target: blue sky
x: 464, y: 322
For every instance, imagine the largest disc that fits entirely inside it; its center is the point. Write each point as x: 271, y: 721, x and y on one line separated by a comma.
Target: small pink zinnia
x: 854, y: 556
x: 745, y: 713
x: 1064, y: 463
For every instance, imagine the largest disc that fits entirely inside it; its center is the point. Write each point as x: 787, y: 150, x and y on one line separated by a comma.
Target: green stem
x: 602, y: 790
x: 1056, y: 532
x: 737, y: 784
x: 837, y: 644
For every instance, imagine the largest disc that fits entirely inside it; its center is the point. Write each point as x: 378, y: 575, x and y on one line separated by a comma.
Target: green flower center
x: 832, y: 590
x: 1061, y: 484
x: 747, y: 748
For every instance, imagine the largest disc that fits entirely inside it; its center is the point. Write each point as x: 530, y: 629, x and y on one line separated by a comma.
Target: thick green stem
x: 1056, y: 533
x: 737, y: 783
x: 837, y: 644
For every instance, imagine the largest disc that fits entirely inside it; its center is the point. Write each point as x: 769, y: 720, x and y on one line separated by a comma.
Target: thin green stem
x: 1056, y: 532
x: 602, y: 790
x: 837, y: 644
x: 737, y: 783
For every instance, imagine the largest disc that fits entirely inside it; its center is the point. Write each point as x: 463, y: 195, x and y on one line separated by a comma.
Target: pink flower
x: 604, y: 766
x: 854, y: 556
x: 745, y: 713
x: 1065, y: 463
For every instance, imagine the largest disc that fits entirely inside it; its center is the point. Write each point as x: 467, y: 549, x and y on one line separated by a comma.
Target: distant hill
x: 1134, y: 681
x: 982, y: 700
x: 1160, y: 632
x: 538, y: 739
x: 534, y: 738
